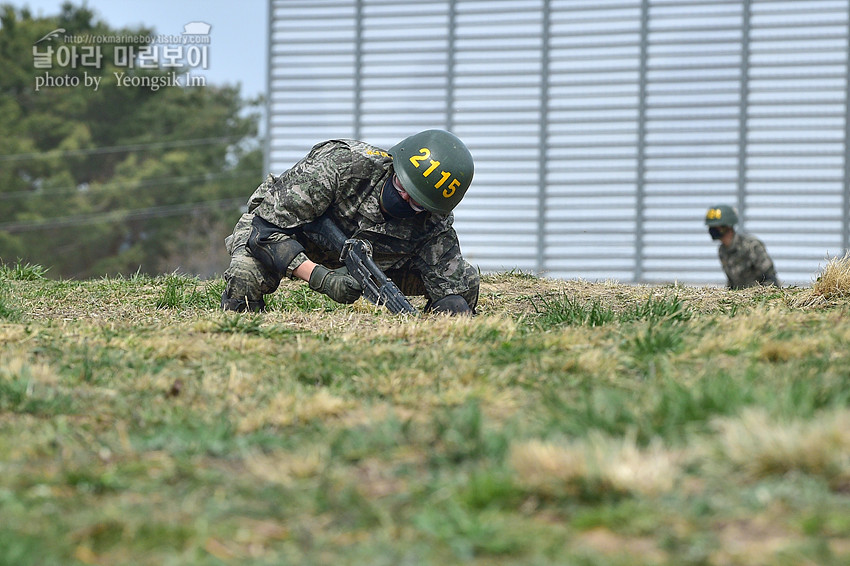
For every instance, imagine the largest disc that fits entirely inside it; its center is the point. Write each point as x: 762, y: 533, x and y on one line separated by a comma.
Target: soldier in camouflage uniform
x: 403, y: 207
x: 743, y: 257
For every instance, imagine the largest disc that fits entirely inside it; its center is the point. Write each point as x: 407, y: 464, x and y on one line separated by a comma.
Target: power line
x: 136, y: 185
x: 120, y: 215
x: 115, y: 149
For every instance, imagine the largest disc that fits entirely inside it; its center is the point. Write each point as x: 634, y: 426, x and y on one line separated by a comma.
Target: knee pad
x: 271, y: 246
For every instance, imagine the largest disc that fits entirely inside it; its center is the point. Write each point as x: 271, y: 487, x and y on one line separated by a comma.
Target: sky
x: 238, y: 36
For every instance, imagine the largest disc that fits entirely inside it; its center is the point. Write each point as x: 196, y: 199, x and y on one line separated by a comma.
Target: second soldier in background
x: 744, y: 257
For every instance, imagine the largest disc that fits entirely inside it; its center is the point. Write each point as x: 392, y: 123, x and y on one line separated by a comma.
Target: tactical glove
x: 336, y: 284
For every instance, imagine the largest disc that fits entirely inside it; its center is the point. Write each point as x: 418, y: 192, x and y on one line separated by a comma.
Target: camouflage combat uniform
x: 746, y: 263
x: 343, y: 178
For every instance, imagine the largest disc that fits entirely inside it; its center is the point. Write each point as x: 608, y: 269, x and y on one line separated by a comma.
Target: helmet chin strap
x: 393, y: 204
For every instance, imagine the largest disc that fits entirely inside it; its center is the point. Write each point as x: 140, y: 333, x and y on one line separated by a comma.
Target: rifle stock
x: 357, y: 256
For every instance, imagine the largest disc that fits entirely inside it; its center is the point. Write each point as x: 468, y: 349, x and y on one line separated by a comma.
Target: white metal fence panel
x: 694, y: 94
x: 591, y: 135
x: 601, y: 129
x: 498, y: 111
x: 796, y: 186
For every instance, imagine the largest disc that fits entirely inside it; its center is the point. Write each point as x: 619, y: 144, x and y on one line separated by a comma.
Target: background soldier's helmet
x: 435, y: 168
x: 721, y: 215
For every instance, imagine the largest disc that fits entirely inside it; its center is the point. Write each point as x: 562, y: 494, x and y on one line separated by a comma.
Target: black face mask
x: 393, y: 204
x: 714, y: 232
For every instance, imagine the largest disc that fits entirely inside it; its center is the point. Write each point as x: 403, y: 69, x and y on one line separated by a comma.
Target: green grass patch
x: 300, y: 298
x: 563, y: 309
x: 571, y: 311
x: 20, y: 271
x: 180, y: 292
x: 8, y: 310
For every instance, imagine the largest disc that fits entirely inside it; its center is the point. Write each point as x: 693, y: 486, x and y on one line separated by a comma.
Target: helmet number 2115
x: 425, y: 153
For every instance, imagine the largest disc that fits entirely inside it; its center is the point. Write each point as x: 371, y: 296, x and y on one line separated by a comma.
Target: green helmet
x: 435, y: 168
x: 721, y: 215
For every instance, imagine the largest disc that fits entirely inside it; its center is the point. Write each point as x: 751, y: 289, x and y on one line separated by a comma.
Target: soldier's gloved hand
x: 336, y: 284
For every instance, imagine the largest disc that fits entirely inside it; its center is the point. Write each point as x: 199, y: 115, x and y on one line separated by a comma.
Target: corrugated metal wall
x: 602, y: 129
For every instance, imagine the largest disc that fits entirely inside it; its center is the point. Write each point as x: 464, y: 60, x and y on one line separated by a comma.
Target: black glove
x: 336, y: 284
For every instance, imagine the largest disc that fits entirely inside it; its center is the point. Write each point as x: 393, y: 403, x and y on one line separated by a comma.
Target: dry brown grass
x: 516, y: 296
x: 761, y: 446
x: 831, y: 285
x: 598, y: 462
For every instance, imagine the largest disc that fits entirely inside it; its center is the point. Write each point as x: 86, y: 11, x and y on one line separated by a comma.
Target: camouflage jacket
x: 746, y: 263
x: 343, y: 178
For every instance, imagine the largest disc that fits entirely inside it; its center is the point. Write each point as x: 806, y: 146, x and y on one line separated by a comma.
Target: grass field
x: 570, y: 423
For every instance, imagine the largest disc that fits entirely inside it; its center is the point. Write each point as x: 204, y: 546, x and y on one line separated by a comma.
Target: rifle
x: 357, y: 256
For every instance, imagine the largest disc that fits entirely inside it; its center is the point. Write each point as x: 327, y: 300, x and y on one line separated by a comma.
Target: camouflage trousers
x: 246, y: 278
x: 249, y: 280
